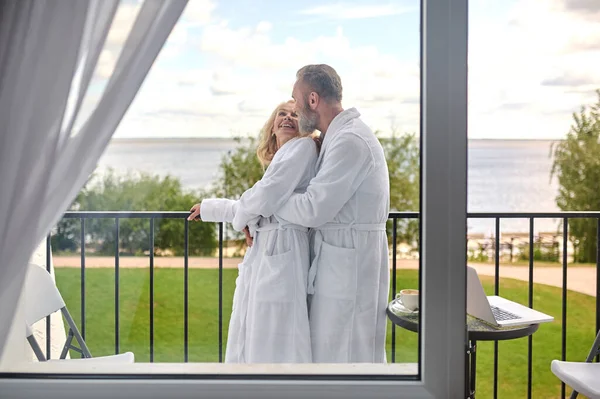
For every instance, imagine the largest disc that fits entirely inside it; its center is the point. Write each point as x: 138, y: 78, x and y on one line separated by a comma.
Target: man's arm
x: 344, y: 167
x: 279, y: 182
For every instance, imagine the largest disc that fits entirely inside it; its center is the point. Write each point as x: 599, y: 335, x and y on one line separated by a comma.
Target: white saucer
x: 398, y: 306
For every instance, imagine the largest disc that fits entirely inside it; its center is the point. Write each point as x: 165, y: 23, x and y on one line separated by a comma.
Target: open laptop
x: 497, y: 310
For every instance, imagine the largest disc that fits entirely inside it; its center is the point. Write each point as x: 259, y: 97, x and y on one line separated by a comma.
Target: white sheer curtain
x: 49, y: 50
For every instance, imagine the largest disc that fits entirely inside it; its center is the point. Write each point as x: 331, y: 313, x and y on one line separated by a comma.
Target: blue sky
x: 392, y: 26
x: 227, y: 64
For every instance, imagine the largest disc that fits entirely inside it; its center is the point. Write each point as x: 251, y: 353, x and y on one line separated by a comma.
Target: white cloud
x: 117, y: 34
x: 379, y: 84
x: 526, y: 76
x: 106, y: 64
x: 252, y: 74
x: 528, y: 70
x: 353, y: 11
x: 198, y: 12
x: 122, y: 23
x: 177, y: 41
x: 248, y: 46
x: 199, y: 102
x: 264, y: 27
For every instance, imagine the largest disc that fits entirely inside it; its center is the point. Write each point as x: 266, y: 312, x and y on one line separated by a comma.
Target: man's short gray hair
x: 323, y: 80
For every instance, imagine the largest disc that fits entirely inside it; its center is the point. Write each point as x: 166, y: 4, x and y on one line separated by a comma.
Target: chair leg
x: 573, y: 395
x: 63, y: 354
x: 75, y: 332
x: 36, y: 349
x: 595, y: 350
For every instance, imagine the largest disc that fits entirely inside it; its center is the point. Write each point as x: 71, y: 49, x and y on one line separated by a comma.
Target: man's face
x: 307, y: 118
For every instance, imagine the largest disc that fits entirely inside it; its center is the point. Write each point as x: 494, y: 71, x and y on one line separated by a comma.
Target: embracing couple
x: 313, y: 287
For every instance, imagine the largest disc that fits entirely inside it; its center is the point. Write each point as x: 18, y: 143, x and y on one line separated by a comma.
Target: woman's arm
x: 217, y: 210
x: 214, y: 210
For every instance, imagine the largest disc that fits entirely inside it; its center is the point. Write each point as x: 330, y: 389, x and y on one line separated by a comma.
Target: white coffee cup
x: 410, y: 299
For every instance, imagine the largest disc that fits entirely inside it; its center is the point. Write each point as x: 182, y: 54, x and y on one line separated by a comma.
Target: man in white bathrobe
x: 347, y: 205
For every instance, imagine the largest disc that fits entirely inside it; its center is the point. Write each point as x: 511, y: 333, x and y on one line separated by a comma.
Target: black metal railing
x: 394, y: 216
x: 152, y: 216
x: 564, y: 217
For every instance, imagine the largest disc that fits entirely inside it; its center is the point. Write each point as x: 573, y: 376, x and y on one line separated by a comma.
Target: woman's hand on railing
x: 194, y: 213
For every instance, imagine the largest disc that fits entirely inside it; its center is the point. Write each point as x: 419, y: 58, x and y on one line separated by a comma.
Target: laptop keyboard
x: 503, y: 315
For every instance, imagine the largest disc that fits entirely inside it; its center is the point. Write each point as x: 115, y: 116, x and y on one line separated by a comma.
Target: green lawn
x: 203, y: 323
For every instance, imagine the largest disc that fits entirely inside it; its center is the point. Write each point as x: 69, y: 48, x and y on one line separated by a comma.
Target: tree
x: 239, y: 170
x: 139, y: 192
x: 576, y: 164
x: 170, y: 235
x: 65, y: 236
x: 402, y: 156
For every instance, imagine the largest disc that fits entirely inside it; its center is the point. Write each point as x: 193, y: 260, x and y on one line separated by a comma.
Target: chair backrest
x: 41, y: 295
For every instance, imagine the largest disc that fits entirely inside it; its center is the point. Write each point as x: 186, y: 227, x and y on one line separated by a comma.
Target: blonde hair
x: 267, y: 143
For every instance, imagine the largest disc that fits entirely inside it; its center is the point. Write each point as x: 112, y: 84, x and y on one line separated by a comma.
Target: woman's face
x: 285, y: 126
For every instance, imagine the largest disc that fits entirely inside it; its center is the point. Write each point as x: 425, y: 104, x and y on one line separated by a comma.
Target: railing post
x: 117, y: 285
x: 220, y: 292
x: 564, y: 300
x: 151, y: 290
x: 394, y: 265
x: 82, y: 232
x: 530, y: 343
x: 496, y: 292
x: 598, y: 280
x: 185, y: 289
x: 48, y: 318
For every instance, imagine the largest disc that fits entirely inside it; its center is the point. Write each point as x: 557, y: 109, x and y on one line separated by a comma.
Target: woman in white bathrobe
x: 269, y: 322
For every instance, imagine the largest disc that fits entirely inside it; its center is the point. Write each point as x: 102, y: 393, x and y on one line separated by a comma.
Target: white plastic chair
x: 583, y: 377
x: 42, y: 298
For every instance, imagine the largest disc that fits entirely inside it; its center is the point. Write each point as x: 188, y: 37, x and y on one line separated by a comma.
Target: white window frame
x: 443, y: 273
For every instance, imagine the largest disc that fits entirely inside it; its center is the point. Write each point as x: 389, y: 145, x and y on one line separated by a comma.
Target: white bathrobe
x: 269, y: 322
x: 347, y: 204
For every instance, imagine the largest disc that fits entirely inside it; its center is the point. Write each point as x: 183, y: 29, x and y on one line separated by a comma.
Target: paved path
x: 579, y: 279
x: 141, y: 261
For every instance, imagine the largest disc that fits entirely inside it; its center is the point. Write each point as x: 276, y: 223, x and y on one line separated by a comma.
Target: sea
x: 503, y: 175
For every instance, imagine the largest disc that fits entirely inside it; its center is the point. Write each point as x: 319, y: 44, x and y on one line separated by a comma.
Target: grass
x: 134, y: 290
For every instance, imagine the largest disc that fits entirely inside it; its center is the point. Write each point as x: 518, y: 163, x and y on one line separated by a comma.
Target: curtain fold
x: 49, y: 51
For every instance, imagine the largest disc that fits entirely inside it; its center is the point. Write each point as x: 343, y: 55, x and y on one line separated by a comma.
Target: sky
x: 228, y: 64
